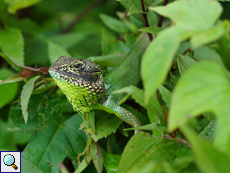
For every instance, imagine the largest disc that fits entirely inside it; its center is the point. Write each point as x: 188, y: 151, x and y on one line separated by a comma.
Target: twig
x: 82, y: 15
x: 187, y: 50
x: 178, y: 139
x: 160, y: 21
x: 146, y: 23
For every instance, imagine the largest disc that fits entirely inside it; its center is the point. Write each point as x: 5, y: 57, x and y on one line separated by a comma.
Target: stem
x: 160, y: 21
x: 82, y: 15
x: 146, y: 23
x: 178, y: 139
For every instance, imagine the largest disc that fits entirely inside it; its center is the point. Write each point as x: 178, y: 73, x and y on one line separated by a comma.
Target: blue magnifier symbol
x: 9, y: 160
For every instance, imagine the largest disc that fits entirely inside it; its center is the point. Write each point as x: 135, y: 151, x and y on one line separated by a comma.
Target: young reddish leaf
x: 25, y: 96
x: 26, y: 73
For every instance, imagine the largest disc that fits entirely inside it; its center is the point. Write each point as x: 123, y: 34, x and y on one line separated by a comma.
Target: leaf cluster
x: 167, y: 62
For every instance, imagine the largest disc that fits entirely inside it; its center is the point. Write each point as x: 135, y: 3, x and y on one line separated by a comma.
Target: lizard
x: 87, y: 89
x: 83, y: 84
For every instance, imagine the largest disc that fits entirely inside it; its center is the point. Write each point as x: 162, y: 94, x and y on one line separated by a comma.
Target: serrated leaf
x: 157, y: 58
x: 153, y: 126
x: 184, y: 62
x: 12, y: 79
x: 185, y: 13
x: 151, y: 30
x: 111, y: 162
x: 7, y: 91
x: 11, y: 135
x: 15, y: 65
x: 105, y: 125
x: 12, y: 44
x: 55, y: 51
x: 14, y: 5
x: 67, y: 41
x: 224, y: 46
x: 107, y: 60
x: 53, y: 138
x: 209, y: 35
x: 26, y: 25
x: 138, y: 146
x: 128, y: 69
x: 166, y: 94
x: 209, y: 158
x: 97, y: 156
x: 166, y: 156
x: 208, y: 132
x: 207, y: 81
x: 138, y: 96
x: 114, y: 24
x: 135, y: 8
x: 25, y: 96
x: 28, y: 166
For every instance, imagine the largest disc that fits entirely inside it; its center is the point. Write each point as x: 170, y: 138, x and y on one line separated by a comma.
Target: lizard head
x: 81, y: 81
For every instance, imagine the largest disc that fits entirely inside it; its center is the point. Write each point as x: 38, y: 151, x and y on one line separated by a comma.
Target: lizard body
x: 82, y: 82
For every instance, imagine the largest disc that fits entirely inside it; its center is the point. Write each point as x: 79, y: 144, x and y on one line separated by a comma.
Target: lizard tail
x: 123, y: 114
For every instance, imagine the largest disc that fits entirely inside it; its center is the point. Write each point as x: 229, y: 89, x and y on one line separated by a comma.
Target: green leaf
x: 151, y: 30
x: 207, y: 53
x: 25, y: 96
x: 166, y: 156
x: 26, y: 25
x: 208, y: 132
x: 157, y: 58
x: 135, y: 8
x: 113, y: 23
x: 107, y: 60
x: 166, y: 94
x: 185, y: 13
x: 67, y: 41
x: 14, y: 5
x: 128, y: 69
x: 12, y: 79
x: 224, y: 46
x: 209, y: 35
x: 105, y: 125
x: 7, y: 91
x: 138, y: 146
x: 12, y: 44
x: 138, y: 96
x: 184, y: 62
x: 208, y: 158
x: 28, y: 166
x: 153, y: 126
x: 55, y: 51
x: 207, y: 81
x: 154, y: 2
x: 53, y: 139
x: 97, y: 156
x: 111, y: 162
x: 11, y: 135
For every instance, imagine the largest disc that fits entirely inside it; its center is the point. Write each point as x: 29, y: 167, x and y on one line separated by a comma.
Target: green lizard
x: 85, y: 87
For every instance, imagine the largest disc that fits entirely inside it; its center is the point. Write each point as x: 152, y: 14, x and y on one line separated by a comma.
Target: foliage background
x: 36, y: 33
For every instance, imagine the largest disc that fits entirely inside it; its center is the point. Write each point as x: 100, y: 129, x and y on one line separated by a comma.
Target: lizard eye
x: 77, y: 65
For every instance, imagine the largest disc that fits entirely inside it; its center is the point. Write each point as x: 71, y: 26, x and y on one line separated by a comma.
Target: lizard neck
x: 82, y: 99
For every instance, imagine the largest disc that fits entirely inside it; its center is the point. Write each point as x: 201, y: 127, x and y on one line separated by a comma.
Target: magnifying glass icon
x: 9, y: 160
